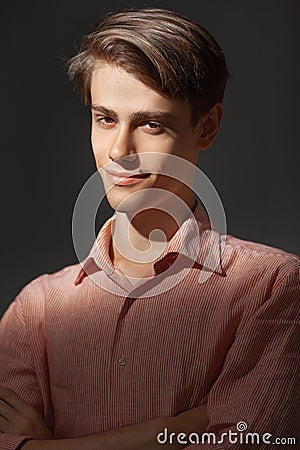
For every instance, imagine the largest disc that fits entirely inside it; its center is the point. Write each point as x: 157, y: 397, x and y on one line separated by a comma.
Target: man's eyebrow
x: 136, y: 116
x: 152, y: 115
x: 103, y: 110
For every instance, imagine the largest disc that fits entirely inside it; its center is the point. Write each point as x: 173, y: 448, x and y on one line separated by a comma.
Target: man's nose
x: 123, y: 144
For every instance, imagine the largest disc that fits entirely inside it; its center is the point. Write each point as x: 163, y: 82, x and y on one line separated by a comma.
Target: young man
x: 113, y: 353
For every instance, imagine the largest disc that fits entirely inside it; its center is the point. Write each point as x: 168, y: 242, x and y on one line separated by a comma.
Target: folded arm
x: 19, y: 417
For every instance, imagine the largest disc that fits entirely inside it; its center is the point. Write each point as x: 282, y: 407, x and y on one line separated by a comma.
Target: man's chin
x: 126, y: 204
x: 138, y: 200
x: 133, y: 203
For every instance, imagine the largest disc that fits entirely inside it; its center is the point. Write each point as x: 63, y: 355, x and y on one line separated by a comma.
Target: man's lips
x: 125, y: 178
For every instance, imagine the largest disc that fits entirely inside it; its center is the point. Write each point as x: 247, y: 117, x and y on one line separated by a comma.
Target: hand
x: 17, y: 417
x: 193, y: 420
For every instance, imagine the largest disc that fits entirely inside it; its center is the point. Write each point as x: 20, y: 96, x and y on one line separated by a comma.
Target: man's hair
x: 163, y: 49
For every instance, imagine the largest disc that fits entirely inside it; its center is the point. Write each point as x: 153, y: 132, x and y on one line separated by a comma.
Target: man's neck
x: 142, y: 240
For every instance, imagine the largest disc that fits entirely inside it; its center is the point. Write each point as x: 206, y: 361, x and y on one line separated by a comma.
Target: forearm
x: 132, y: 437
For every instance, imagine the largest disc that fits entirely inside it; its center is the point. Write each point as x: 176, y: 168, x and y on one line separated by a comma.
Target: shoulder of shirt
x: 60, y: 279
x: 29, y: 303
x: 262, y: 253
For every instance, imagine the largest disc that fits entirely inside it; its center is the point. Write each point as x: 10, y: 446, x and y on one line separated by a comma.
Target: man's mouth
x: 126, y: 178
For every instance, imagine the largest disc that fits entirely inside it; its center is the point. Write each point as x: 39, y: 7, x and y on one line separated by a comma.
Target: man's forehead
x: 109, y: 81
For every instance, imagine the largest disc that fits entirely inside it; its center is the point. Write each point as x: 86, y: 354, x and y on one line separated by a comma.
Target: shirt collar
x: 207, y: 256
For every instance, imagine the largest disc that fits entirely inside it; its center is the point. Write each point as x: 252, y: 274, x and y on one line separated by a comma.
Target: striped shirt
x: 93, y: 352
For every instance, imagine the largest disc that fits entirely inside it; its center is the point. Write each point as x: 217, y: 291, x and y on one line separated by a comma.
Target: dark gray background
x: 45, y: 147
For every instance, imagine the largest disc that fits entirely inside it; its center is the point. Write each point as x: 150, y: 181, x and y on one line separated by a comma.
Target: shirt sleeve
x: 18, y: 367
x: 258, y: 389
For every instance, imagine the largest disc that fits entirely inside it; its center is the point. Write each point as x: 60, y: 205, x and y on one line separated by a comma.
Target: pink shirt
x: 90, y: 360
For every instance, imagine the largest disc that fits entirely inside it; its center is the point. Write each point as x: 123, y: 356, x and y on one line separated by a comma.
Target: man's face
x: 129, y: 119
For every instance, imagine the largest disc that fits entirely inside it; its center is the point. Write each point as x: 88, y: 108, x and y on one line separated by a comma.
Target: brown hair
x: 163, y: 49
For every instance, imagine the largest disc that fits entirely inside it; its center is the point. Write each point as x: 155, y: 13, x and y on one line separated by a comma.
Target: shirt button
x: 122, y: 361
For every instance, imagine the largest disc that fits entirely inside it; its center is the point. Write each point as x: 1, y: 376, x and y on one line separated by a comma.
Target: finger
x: 13, y: 399
x: 20, y: 425
x: 6, y: 411
x: 4, y: 425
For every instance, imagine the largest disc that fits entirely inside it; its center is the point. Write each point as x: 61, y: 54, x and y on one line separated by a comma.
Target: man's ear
x: 208, y: 126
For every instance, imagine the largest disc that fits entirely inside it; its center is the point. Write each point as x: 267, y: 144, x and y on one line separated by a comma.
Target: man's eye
x: 104, y: 121
x: 153, y: 127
